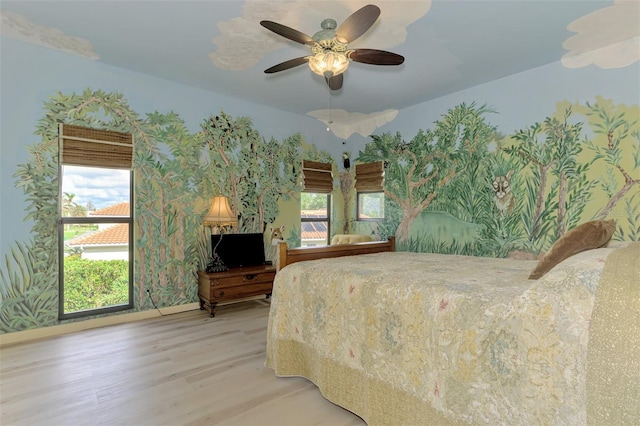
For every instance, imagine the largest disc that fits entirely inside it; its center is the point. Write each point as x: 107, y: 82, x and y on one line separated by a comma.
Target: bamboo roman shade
x: 370, y: 177
x: 317, y: 177
x: 82, y: 146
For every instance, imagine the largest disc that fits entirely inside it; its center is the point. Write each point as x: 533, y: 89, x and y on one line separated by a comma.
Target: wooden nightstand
x: 235, y: 283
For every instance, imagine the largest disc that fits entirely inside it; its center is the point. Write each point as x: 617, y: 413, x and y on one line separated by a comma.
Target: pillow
x: 339, y: 239
x: 589, y: 235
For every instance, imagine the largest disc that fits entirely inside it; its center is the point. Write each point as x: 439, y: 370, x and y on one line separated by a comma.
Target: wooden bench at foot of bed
x: 287, y: 256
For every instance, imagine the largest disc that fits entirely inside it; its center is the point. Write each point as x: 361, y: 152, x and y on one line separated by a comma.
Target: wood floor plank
x: 181, y: 369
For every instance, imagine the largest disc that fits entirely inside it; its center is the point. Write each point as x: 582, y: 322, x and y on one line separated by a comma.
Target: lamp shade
x: 328, y: 64
x: 220, y: 213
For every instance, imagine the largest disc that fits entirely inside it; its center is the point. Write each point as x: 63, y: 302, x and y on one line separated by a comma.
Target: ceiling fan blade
x: 335, y: 82
x: 287, y: 64
x: 287, y: 32
x: 358, y: 23
x: 375, y: 57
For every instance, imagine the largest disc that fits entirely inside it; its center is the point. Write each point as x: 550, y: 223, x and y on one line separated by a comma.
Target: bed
x: 425, y: 339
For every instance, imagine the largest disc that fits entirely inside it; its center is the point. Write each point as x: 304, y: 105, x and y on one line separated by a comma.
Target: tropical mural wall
x: 442, y: 188
x: 464, y: 187
x: 176, y: 173
x: 480, y: 172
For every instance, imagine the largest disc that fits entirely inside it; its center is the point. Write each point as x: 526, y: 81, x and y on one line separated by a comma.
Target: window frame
x: 373, y: 219
x: 317, y: 219
x: 70, y: 220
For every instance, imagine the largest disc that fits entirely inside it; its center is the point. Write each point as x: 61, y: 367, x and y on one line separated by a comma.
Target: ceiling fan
x: 331, y: 55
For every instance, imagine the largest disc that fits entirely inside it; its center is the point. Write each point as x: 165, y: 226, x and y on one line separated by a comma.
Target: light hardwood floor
x: 182, y: 369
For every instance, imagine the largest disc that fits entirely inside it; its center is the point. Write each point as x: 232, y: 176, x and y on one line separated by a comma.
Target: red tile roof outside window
x: 314, y: 231
x: 117, y: 234
x: 120, y: 209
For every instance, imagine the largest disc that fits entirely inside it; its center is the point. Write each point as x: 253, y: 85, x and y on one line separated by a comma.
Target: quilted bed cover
x: 414, y: 339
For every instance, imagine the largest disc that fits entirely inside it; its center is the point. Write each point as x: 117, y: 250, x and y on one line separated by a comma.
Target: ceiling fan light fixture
x: 331, y: 55
x: 328, y: 64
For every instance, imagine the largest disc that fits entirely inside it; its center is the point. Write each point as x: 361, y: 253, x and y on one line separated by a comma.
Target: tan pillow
x: 589, y: 235
x: 339, y: 239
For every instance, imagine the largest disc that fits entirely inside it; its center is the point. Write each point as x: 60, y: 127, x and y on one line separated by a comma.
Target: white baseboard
x: 55, y: 330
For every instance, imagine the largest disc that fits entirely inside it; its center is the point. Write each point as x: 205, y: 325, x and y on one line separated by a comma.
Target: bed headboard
x: 287, y: 256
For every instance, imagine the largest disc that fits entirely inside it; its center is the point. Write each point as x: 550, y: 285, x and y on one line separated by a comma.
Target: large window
x: 314, y: 218
x: 96, y: 223
x: 315, y: 203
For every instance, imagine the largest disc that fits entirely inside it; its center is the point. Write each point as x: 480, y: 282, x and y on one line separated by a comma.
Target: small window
x: 370, y: 189
x: 371, y: 206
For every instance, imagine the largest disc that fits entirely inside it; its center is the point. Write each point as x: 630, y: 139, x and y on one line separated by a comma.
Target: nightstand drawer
x: 239, y: 280
x: 229, y: 293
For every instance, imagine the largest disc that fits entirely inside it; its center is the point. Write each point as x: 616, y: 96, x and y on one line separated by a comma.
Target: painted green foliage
x: 438, y: 186
x: 556, y: 158
x: 443, y: 163
x: 618, y: 138
x: 558, y: 189
x: 175, y: 175
x: 166, y: 211
x: 252, y: 172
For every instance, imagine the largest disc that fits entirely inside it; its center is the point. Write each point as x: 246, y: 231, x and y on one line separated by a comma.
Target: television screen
x: 240, y: 250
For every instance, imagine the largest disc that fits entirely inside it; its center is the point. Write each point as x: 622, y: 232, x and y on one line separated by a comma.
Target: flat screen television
x: 240, y: 250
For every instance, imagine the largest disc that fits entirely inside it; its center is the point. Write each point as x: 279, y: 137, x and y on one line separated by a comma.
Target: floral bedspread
x: 410, y: 338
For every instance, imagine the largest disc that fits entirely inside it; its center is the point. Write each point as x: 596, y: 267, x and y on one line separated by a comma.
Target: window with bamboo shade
x: 95, y: 166
x: 370, y: 191
x: 315, y: 203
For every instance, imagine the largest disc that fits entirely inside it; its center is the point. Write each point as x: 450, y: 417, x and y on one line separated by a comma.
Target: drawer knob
x: 250, y: 277
x: 222, y: 293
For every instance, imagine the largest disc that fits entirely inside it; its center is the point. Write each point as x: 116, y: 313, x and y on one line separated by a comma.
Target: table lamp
x: 219, y: 216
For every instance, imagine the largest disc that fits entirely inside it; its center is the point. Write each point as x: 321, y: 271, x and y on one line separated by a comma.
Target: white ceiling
x: 449, y: 45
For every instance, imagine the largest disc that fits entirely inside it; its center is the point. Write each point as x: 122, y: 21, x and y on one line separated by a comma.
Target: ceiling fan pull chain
x: 330, y: 122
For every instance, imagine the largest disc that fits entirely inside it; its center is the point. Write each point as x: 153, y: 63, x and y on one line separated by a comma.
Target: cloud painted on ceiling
x: 343, y: 123
x: 18, y: 27
x: 242, y: 42
x: 606, y: 38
